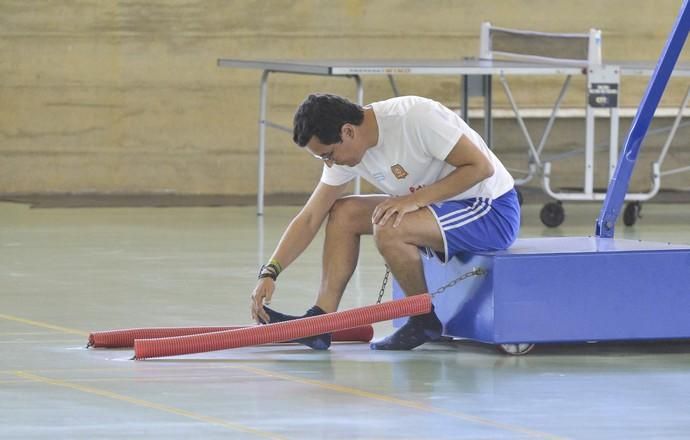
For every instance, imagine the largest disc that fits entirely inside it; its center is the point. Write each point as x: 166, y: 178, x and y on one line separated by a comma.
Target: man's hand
x: 395, y: 206
x: 263, y: 292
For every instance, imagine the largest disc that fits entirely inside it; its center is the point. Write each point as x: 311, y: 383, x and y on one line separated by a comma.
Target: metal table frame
x: 472, y: 69
x: 355, y: 69
x: 623, y: 68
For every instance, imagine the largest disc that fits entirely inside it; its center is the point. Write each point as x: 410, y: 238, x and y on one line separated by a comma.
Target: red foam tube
x: 282, y: 331
x: 125, y: 337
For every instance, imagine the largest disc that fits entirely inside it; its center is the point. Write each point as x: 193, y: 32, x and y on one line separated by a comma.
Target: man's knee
x: 341, y: 211
x: 350, y: 213
x: 387, y: 237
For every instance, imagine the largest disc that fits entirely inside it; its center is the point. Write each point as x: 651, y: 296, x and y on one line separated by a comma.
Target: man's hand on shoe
x: 263, y: 292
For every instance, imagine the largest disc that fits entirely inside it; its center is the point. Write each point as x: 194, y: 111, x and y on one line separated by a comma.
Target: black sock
x: 416, y: 331
x: 318, y: 342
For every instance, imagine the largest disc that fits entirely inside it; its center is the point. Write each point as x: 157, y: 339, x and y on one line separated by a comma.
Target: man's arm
x: 303, y: 228
x: 297, y: 236
x: 472, y: 166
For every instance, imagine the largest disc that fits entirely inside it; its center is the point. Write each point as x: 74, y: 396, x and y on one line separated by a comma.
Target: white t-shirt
x: 415, y: 136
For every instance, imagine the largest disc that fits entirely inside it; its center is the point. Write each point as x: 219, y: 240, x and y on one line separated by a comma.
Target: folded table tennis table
x: 477, y: 74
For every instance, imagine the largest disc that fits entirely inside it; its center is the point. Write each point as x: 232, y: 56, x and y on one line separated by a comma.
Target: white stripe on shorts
x: 463, y: 218
x: 454, y: 213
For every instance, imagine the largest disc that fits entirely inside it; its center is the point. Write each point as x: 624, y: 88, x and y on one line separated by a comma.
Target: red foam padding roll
x: 125, y: 337
x: 363, y: 333
x: 282, y: 331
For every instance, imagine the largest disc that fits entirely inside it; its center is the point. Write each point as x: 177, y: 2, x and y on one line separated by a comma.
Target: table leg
x: 262, y: 143
x: 488, y: 118
x: 360, y: 101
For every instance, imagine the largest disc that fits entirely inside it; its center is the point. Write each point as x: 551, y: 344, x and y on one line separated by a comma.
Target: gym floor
x: 67, y: 272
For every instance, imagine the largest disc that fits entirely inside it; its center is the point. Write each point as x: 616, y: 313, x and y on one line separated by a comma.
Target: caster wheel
x: 552, y: 214
x: 515, y: 349
x: 632, y: 213
x: 519, y: 196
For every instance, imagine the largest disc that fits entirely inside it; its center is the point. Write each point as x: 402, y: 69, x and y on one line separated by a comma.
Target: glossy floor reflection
x: 66, y: 272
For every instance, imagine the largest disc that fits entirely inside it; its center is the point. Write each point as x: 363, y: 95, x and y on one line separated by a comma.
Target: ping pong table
x: 355, y: 69
x: 477, y: 79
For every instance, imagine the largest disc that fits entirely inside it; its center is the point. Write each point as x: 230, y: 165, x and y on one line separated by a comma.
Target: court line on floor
x: 402, y: 402
x: 141, y: 380
x: 43, y: 325
x: 26, y: 333
x: 147, y: 404
x: 334, y: 387
x: 37, y: 341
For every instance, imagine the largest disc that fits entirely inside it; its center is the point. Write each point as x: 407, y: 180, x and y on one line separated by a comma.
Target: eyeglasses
x: 326, y: 156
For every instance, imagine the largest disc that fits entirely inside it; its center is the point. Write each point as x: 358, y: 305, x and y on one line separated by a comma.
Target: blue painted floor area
x: 66, y: 272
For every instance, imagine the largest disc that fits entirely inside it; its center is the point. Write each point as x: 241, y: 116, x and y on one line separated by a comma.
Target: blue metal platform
x: 566, y: 289
x: 577, y: 288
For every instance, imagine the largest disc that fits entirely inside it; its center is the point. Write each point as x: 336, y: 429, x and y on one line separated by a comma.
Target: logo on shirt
x: 398, y: 171
x: 380, y: 177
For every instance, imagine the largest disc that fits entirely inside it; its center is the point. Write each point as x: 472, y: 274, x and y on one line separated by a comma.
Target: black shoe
x: 416, y: 331
x: 318, y: 342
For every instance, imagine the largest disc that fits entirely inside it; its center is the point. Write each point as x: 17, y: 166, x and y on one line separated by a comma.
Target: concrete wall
x: 125, y: 96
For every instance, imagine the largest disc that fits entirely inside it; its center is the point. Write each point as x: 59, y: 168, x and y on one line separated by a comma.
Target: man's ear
x: 347, y: 130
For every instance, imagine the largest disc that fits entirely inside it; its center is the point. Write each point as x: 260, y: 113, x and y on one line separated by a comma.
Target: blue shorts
x: 477, y: 224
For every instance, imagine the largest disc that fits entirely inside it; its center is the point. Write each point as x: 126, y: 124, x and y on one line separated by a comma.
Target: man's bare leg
x: 400, y: 248
x: 349, y: 219
x: 405, y: 263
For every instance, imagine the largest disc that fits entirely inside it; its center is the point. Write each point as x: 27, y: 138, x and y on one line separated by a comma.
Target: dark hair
x: 323, y: 115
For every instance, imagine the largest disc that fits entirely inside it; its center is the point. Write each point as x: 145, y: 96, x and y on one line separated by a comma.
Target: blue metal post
x: 643, y: 118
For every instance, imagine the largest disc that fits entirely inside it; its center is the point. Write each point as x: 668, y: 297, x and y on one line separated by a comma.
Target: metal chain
x: 473, y: 273
x: 383, y: 284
